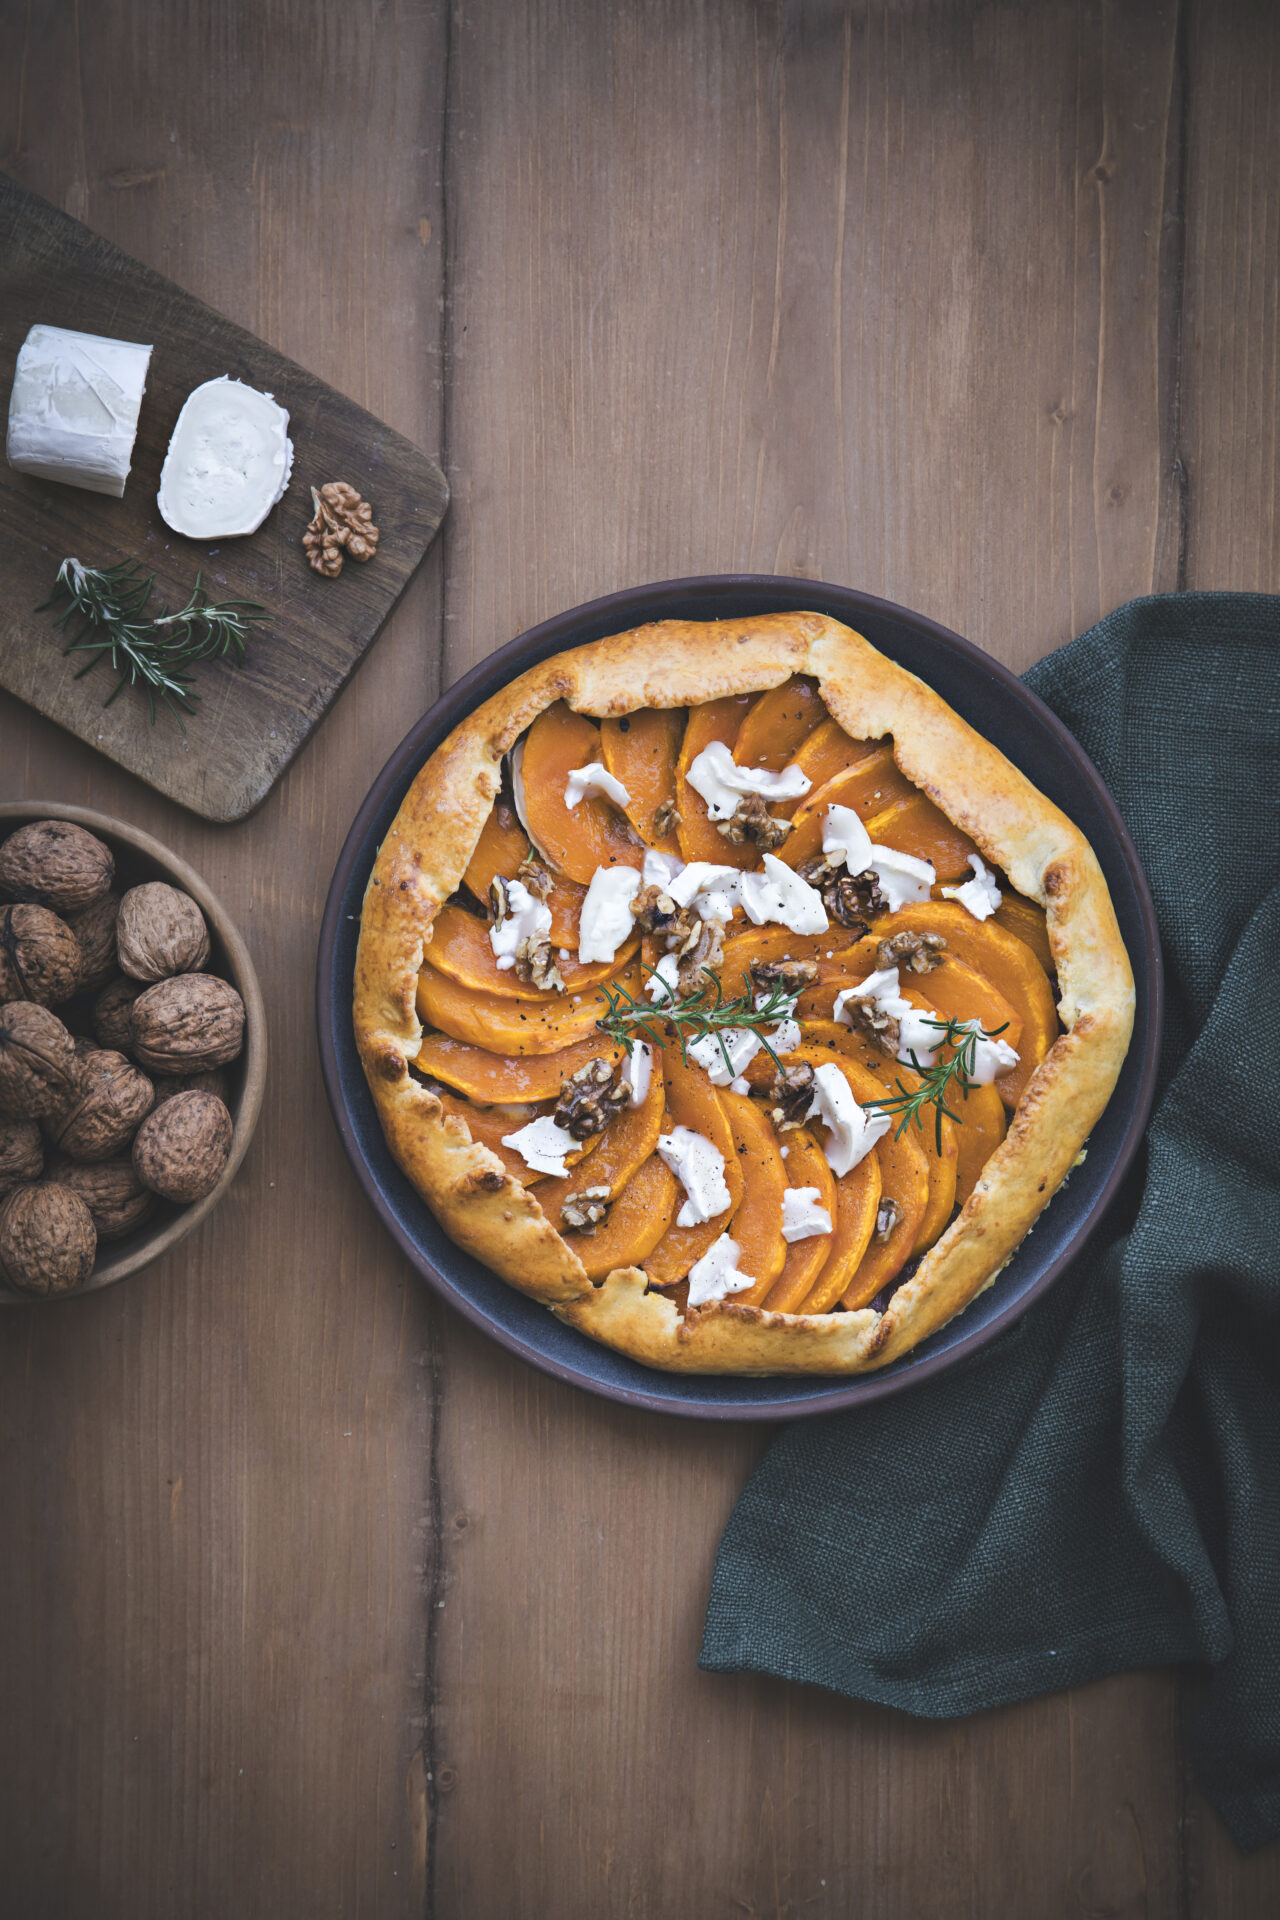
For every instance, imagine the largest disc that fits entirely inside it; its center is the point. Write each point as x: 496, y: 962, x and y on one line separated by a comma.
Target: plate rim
x: 515, y: 656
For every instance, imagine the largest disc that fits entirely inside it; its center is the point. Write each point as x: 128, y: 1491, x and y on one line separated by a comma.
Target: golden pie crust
x: 676, y: 663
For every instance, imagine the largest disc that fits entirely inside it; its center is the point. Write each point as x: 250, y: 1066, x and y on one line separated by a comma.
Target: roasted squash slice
x: 916, y: 826
x: 461, y: 949
x: 1027, y: 922
x: 757, y: 1224
x: 806, y: 1166
x: 497, y: 1077
x: 1007, y: 962
x: 779, y: 723
x: 870, y: 786
x: 983, y: 1122
x: 829, y: 750
x: 636, y: 1222
x: 976, y: 1138
x: 512, y: 1026
x: 742, y: 951
x: 487, y: 1125
x: 936, y: 1136
x: 699, y: 839
x: 502, y: 848
x: 693, y: 1102
x: 858, y: 1195
x: 624, y: 1145
x: 957, y: 990
x: 641, y: 750
x: 578, y: 839
x: 904, y: 1178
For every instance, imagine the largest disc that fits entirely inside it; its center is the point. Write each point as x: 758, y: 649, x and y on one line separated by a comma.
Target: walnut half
x: 590, y: 1099
x: 753, y: 821
x: 585, y: 1211
x: 342, y: 529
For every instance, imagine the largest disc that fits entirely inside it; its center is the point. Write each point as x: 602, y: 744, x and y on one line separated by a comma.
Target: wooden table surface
x: 313, y: 1602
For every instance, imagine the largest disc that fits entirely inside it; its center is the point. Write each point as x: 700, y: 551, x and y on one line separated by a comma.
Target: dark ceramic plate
x: 995, y: 702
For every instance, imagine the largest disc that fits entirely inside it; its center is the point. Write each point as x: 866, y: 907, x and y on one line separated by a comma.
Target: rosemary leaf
x: 153, y: 653
x: 936, y: 1081
x: 702, y: 1015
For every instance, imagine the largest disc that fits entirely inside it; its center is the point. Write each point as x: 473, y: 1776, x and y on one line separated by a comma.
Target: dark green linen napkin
x: 1100, y: 1488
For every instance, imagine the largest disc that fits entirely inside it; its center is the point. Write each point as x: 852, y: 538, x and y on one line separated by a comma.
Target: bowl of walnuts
x: 132, y: 1050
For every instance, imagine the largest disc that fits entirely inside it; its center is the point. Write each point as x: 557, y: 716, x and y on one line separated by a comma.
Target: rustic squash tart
x: 722, y: 989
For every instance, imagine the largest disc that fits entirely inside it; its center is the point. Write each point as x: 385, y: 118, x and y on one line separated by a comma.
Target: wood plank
x: 253, y: 718
x: 220, y: 1471
x: 829, y: 292
x: 1229, y: 389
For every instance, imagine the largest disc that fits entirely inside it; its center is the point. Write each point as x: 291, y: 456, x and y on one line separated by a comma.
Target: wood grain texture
x: 839, y: 290
x: 220, y: 1473
x: 788, y: 284
x: 253, y: 718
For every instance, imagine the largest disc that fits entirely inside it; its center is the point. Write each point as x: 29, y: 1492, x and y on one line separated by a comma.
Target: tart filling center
x: 742, y: 1016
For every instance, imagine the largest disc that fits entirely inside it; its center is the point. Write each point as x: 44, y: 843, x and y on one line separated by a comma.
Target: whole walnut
x: 116, y: 1198
x: 111, y: 1012
x: 181, y: 1148
x: 39, y: 956
x: 47, y: 1239
x: 113, y: 1098
x: 56, y: 864
x: 186, y: 1024
x: 39, y: 1071
x: 160, y: 932
x: 21, y: 1153
x: 214, y: 1081
x: 95, y: 929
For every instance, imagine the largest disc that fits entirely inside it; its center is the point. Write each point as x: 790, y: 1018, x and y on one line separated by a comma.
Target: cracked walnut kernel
x: 753, y: 821
x: 341, y: 529
x: 586, y: 1211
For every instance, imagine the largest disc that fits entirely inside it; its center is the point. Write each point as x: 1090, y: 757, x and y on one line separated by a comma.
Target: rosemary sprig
x: 935, y: 1081
x: 154, y: 653
x: 702, y: 1014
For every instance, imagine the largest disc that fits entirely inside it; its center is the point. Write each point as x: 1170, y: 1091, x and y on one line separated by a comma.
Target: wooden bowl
x: 138, y: 857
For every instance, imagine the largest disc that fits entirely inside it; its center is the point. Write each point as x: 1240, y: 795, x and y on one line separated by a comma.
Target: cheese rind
x: 73, y: 409
x: 229, y: 461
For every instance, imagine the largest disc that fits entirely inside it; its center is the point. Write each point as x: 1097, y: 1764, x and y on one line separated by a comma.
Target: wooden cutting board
x: 251, y: 720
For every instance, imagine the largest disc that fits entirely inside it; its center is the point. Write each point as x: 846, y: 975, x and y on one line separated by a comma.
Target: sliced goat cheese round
x: 717, y: 777
x: 594, y: 778
x: 803, y: 1215
x: 606, y: 913
x: 699, y: 1167
x: 903, y: 878
x: 979, y: 895
x: 542, y: 1145
x: 845, y: 838
x: 919, y: 1036
x: 739, y: 1043
x: 663, y: 984
x: 637, y: 1071
x: 779, y: 894
x: 991, y: 1058
x: 717, y: 1274
x: 525, y: 916
x: 229, y: 461
x: 661, y: 869
x: 852, y: 1130
x: 73, y: 409
x: 711, y: 890
x: 786, y: 1037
